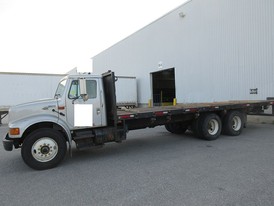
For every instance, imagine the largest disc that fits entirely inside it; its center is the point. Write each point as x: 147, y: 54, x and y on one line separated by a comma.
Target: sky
x: 55, y: 36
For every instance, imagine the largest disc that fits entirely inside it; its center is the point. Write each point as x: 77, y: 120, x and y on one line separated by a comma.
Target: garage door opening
x: 163, y: 87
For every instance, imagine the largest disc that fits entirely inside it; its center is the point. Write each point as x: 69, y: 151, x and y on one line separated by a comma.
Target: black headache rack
x: 110, y: 97
x: 118, y: 132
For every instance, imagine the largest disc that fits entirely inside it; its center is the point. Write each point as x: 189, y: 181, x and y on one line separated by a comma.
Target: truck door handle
x: 98, y: 111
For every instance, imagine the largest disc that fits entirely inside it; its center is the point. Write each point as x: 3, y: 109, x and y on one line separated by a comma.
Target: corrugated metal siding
x: 220, y: 50
x: 21, y: 88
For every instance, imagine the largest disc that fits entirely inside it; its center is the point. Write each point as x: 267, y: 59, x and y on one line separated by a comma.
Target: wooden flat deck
x: 228, y: 104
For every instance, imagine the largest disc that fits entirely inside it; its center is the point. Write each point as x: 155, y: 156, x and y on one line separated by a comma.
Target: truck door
x: 87, y: 113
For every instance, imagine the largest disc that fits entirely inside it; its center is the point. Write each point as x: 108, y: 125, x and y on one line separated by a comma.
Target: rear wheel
x: 209, y: 126
x: 233, y: 123
x: 176, y: 128
x: 44, y: 149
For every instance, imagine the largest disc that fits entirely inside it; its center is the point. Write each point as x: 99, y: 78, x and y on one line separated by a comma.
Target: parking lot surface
x: 152, y: 167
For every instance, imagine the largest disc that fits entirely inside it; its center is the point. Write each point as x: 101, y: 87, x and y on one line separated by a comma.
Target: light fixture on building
x: 182, y: 15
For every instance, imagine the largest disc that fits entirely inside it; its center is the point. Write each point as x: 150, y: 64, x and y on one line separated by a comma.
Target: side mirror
x: 83, y: 89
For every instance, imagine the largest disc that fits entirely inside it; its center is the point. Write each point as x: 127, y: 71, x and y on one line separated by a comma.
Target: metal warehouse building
x: 202, y: 51
x: 25, y: 87
x: 19, y: 88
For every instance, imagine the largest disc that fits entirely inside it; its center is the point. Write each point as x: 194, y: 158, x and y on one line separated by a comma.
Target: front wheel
x: 44, y: 149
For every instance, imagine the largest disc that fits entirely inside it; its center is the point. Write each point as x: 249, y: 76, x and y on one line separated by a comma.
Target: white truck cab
x: 78, y: 104
x: 81, y: 110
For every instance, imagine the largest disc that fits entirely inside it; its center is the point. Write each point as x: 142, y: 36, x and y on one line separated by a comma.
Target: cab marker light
x: 61, y: 107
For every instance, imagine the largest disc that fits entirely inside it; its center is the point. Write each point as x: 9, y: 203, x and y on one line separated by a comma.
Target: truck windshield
x: 61, y: 88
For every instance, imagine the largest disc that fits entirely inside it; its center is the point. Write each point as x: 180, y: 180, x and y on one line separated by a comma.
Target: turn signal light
x: 61, y: 107
x: 14, y: 131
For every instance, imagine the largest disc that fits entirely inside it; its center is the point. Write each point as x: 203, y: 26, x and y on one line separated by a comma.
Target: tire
x: 176, y: 128
x: 233, y: 123
x: 44, y: 149
x: 209, y: 126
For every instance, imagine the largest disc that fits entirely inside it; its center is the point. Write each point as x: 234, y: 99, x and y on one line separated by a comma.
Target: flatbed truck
x: 84, y: 111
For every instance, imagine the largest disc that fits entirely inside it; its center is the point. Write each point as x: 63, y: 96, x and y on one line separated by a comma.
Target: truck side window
x: 92, y: 89
x: 61, y: 88
x: 74, y: 90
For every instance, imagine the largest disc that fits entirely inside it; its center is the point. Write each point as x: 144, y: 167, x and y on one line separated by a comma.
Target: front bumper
x: 7, y: 143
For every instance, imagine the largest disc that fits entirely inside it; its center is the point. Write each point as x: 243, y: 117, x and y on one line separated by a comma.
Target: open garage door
x: 163, y: 87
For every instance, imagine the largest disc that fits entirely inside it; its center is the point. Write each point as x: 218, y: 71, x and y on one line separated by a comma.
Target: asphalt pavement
x: 152, y: 167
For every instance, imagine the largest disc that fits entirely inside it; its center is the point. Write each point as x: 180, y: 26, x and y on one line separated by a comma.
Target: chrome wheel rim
x: 44, y: 149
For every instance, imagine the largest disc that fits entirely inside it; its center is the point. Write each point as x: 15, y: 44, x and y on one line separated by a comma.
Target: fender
x: 25, y: 123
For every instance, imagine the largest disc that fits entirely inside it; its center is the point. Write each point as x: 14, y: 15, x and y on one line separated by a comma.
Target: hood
x: 34, y: 108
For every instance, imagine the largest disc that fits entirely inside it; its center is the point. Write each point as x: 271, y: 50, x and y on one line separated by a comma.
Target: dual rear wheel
x: 233, y: 123
x: 209, y: 126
